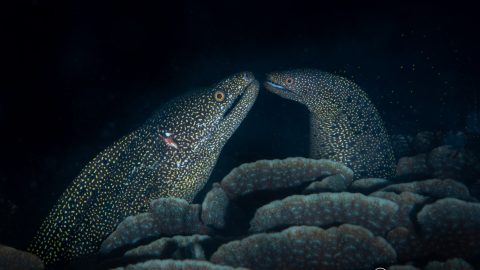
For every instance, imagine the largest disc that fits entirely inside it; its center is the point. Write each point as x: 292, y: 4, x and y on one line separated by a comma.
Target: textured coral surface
x: 299, y: 213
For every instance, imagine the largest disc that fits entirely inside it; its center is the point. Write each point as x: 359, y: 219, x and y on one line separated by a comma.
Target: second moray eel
x: 171, y: 155
x: 344, y: 124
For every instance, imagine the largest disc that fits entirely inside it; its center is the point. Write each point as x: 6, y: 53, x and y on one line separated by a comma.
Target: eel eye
x: 219, y: 96
x: 288, y: 81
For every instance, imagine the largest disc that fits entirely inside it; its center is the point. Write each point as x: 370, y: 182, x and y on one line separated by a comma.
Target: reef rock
x: 259, y: 217
x: 434, y: 188
x: 326, y: 209
x: 304, y: 247
x: 14, y: 259
x: 214, y: 207
x: 407, y: 244
x: 177, y: 247
x: 451, y: 227
x: 402, y: 267
x: 176, y: 265
x: 407, y: 203
x: 367, y: 185
x: 167, y: 217
x: 333, y: 183
x: 452, y: 264
x: 275, y: 174
x: 446, y: 162
x: 413, y: 167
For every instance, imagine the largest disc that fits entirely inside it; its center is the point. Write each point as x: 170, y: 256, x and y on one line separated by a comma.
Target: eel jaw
x: 274, y: 85
x: 238, y: 109
x: 235, y: 102
x: 280, y: 90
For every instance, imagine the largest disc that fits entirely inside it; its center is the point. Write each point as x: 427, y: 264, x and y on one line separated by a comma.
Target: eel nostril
x: 248, y: 76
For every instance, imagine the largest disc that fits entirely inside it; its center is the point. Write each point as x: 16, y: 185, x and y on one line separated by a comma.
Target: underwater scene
x: 339, y: 135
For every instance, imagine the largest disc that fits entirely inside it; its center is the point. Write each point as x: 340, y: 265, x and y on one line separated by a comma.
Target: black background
x: 80, y: 74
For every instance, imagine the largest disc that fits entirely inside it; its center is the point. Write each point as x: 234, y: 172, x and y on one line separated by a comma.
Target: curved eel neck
x: 334, y: 136
x: 323, y: 150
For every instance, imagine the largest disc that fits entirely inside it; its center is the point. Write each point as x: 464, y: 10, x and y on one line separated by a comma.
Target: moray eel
x: 171, y: 155
x: 344, y: 124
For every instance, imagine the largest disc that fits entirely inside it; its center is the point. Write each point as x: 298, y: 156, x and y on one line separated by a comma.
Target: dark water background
x: 81, y: 74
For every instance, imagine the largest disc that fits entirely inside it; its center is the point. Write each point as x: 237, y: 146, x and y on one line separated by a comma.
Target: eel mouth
x: 279, y: 90
x: 234, y: 103
x: 276, y: 86
x: 239, y: 100
x: 239, y: 108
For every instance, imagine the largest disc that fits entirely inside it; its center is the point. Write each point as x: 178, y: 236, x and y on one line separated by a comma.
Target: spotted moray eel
x: 344, y: 124
x: 171, y: 155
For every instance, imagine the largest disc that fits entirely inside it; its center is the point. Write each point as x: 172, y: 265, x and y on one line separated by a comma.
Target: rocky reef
x: 14, y: 259
x: 301, y: 213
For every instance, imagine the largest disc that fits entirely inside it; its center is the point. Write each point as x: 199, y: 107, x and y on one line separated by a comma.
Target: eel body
x: 344, y: 124
x: 171, y: 155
